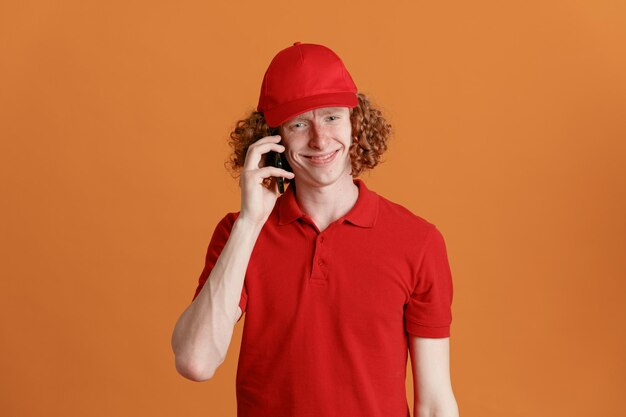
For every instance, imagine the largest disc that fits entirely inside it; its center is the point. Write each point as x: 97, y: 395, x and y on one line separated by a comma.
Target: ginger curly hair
x: 370, y: 134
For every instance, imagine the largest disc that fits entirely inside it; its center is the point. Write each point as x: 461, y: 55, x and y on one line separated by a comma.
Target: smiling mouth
x: 322, y: 159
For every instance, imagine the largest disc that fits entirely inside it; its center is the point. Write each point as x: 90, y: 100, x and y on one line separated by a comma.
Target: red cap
x: 304, y: 77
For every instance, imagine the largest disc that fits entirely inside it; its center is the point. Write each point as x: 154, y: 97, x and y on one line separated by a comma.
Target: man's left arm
x: 430, y: 358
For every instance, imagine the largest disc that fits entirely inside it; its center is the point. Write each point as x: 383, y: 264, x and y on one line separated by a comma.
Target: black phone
x: 276, y: 160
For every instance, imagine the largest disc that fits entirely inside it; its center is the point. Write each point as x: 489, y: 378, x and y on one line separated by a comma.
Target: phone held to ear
x: 275, y: 159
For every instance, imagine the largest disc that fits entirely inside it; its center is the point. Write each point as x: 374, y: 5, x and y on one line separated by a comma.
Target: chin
x: 325, y: 180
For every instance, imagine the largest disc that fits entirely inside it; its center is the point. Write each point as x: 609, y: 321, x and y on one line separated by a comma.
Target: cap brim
x: 278, y: 115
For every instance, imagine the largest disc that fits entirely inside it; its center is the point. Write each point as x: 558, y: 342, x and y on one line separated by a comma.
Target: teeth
x: 322, y: 158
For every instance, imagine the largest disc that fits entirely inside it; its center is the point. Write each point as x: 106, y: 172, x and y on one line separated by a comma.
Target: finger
x: 254, y: 154
x: 255, y: 157
x: 267, y: 172
x: 258, y: 175
x: 264, y: 139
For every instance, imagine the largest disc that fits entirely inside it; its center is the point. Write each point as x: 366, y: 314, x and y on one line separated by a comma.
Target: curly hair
x: 370, y: 134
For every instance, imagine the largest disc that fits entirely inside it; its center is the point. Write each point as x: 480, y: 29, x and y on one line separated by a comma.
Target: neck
x: 328, y: 203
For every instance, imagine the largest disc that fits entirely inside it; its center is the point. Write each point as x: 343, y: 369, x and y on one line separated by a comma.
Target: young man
x: 337, y: 282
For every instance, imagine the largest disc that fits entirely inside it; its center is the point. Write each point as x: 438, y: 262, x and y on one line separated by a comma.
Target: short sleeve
x: 428, y: 313
x: 217, y: 243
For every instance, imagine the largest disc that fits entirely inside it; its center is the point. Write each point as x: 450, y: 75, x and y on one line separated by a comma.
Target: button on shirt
x: 328, y: 313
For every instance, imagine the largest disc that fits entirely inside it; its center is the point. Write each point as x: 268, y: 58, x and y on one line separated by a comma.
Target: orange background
x: 510, y: 136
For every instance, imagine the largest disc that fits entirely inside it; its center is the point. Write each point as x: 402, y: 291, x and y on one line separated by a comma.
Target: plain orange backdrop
x: 510, y: 136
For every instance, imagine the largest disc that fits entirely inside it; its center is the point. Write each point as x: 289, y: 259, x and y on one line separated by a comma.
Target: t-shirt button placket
x: 319, y: 270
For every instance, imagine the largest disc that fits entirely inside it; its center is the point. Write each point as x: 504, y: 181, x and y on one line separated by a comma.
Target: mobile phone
x: 275, y: 159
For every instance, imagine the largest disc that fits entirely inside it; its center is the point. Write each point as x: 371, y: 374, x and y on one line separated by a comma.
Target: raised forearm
x: 203, y: 332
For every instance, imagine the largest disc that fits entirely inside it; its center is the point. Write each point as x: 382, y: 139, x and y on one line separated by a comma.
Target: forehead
x: 320, y: 112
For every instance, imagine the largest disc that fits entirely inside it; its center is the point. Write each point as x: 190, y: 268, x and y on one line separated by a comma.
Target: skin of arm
x: 430, y: 358
x: 203, y: 332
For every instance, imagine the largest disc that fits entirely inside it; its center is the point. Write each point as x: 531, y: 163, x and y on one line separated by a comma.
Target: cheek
x: 347, y: 131
x: 291, y: 148
x: 290, y: 158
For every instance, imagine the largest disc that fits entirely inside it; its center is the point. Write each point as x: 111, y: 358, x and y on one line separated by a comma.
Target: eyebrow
x: 325, y: 112
x: 331, y: 110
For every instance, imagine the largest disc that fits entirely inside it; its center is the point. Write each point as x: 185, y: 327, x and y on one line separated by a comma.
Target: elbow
x: 446, y: 407
x: 195, y: 370
x: 438, y: 413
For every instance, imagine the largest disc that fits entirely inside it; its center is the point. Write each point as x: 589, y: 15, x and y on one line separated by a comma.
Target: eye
x: 332, y: 118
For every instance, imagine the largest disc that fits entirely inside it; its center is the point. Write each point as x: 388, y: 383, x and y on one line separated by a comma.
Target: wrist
x: 246, y: 223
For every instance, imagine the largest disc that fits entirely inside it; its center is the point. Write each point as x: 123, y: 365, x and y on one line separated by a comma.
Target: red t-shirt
x: 328, y: 314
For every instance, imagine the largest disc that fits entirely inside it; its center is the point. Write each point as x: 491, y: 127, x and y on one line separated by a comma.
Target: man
x: 336, y: 281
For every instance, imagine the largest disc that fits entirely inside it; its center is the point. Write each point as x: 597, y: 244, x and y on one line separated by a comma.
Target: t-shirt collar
x: 363, y: 213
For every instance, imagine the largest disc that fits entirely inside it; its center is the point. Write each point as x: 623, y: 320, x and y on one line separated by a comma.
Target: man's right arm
x: 203, y: 332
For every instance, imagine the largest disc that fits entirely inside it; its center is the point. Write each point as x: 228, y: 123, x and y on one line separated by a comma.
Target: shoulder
x: 392, y: 214
x: 401, y: 229
x: 225, y: 225
x: 229, y: 218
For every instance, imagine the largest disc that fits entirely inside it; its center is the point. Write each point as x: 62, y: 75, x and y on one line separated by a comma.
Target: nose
x: 318, y: 137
